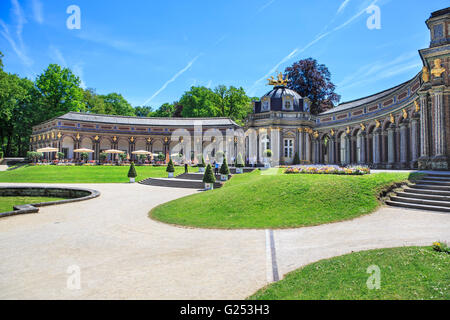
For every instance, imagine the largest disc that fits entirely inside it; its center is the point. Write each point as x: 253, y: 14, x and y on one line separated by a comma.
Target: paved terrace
x: 125, y: 255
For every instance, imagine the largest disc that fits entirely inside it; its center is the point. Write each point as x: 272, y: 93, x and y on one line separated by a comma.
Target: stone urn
x: 132, y: 180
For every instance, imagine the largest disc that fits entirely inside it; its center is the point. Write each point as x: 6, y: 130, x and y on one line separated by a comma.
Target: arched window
x: 265, y: 104
x: 265, y: 142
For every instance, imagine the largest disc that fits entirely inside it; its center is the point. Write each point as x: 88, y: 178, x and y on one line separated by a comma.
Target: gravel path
x: 122, y: 254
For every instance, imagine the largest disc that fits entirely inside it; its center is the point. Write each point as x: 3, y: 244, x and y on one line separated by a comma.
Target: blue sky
x: 153, y: 51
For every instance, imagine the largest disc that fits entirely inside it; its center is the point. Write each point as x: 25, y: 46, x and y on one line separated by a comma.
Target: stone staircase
x: 191, y: 180
x: 431, y: 193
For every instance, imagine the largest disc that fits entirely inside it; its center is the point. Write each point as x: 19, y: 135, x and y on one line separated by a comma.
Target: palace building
x: 407, y: 126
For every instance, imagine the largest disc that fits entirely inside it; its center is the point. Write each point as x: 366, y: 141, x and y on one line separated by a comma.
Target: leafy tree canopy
x: 313, y: 80
x: 60, y: 90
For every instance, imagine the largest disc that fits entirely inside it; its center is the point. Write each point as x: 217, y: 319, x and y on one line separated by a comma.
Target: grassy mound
x: 257, y: 200
x: 405, y: 273
x: 82, y: 174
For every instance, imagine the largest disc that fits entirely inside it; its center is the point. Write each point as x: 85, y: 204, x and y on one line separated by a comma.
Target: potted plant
x: 103, y: 157
x: 122, y: 157
x: 201, y: 165
x: 267, y: 154
x: 170, y: 169
x: 84, y: 156
x: 161, y: 157
x: 224, y: 170
x: 209, y: 178
x: 60, y: 155
x: 132, y: 173
x: 239, y: 164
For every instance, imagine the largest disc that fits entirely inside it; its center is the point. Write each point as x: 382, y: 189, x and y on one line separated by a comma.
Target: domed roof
x: 281, y: 98
x: 282, y: 91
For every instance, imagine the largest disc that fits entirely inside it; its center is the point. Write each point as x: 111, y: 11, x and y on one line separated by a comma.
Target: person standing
x: 186, y: 168
x: 216, y: 167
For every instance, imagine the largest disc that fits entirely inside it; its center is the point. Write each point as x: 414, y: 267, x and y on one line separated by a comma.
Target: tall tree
x: 61, y: 91
x: 165, y: 111
x: 93, y: 102
x: 199, y: 102
x: 116, y: 104
x: 313, y: 80
x: 232, y: 102
x: 144, y: 111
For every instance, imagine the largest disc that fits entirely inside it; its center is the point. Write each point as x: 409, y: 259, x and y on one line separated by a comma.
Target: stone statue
x: 425, y: 74
x: 417, y: 106
x: 437, y: 69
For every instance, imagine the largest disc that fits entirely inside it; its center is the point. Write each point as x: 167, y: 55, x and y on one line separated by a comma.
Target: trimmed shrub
x: 84, y: 156
x: 296, y: 159
x: 132, y: 172
x: 122, y: 156
x: 60, y: 155
x: 170, y: 167
x: 209, y: 177
x: 224, y: 168
x: 103, y: 156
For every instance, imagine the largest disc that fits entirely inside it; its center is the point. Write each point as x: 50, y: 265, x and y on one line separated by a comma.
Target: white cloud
x: 57, y: 56
x: 179, y: 73
x: 37, y: 11
x: 342, y: 6
x: 263, y: 7
x: 78, y: 71
x: 16, y: 42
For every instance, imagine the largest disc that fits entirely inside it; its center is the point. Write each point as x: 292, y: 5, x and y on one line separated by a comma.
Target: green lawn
x: 256, y: 200
x: 81, y: 174
x: 405, y: 273
x: 7, y: 203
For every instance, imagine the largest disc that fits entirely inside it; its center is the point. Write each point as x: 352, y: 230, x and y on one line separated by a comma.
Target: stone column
x: 362, y: 147
x: 331, y: 151
x: 307, y: 147
x: 348, y: 143
x: 424, y: 137
x: 439, y: 160
x: 404, y: 128
x: 414, y: 142
x: 300, y: 145
x: 391, y: 146
x: 377, y: 148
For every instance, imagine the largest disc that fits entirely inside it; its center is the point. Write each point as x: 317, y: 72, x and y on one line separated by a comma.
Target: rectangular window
x: 288, y: 148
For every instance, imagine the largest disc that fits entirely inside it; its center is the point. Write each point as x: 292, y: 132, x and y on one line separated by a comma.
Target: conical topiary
x: 209, y: 177
x: 224, y: 168
x: 132, y: 172
x: 239, y: 161
x: 296, y: 159
x: 170, y: 167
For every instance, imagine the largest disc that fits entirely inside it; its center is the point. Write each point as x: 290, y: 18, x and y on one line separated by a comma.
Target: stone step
x: 178, y: 183
x: 417, y: 206
x: 439, y: 175
x: 434, y: 182
x: 430, y: 187
x: 425, y: 191
x: 428, y: 178
x: 421, y: 201
x: 423, y: 196
x: 197, y: 176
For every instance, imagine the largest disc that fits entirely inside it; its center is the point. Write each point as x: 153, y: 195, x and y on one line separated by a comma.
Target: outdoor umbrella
x: 113, y: 151
x: 83, y: 150
x: 141, y: 152
x: 47, y: 149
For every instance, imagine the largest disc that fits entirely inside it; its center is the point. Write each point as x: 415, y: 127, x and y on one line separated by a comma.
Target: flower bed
x: 358, y: 170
